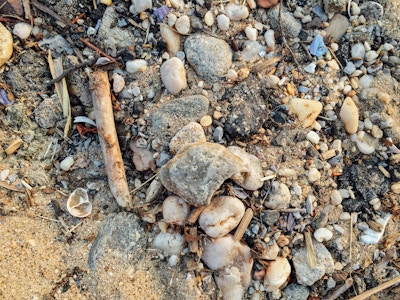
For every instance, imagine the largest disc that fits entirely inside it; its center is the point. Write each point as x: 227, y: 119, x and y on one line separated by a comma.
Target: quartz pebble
x: 251, y: 174
x: 209, y: 18
x: 371, y: 236
x: 395, y: 187
x: 22, y: 30
x: 142, y: 157
x: 221, y: 216
x: 313, y: 137
x: 270, y: 39
x: 323, y: 234
x: 118, y: 82
x: 313, y: 175
x: 357, y: 51
x: 136, y: 65
x: 251, y: 33
x: 336, y: 197
x: 237, y: 12
x: 277, y: 274
x: 366, y: 81
x: 223, y: 22
x: 173, y: 75
x: 310, y: 68
x: 139, y: 6
x: 67, y: 163
x: 182, y: 25
x: 279, y: 196
x: 306, y: 110
x: 170, y: 243
x: 349, y: 115
x: 175, y: 210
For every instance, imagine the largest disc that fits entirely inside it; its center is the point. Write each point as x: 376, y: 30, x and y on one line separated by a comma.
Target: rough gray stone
x: 337, y: 27
x: 296, y: 292
x: 198, y: 170
x: 290, y: 25
x: 307, y: 275
x: 372, y: 10
x: 49, y: 112
x: 190, y: 133
x: 247, y: 110
x: 333, y: 6
x: 170, y: 117
x: 210, y: 57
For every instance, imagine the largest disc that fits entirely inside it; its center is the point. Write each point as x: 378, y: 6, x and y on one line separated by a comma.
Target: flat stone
x: 171, y: 116
x: 198, y: 170
x: 247, y: 109
x: 290, y: 25
x: 296, y: 292
x: 49, y: 112
x: 210, y: 57
x: 307, y: 275
x: 337, y: 27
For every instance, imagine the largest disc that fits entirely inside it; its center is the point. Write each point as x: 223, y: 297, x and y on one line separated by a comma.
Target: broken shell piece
x: 306, y: 110
x: 371, y: 236
x: 251, y: 179
x: 221, y: 216
x: 277, y: 274
x: 78, y: 203
x: 6, y: 45
x: 175, y: 210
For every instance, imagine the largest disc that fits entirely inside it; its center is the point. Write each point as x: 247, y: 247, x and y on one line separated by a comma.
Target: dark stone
x: 247, y: 109
x: 270, y: 217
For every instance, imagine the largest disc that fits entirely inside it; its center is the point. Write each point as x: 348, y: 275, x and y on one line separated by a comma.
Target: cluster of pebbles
x: 203, y: 119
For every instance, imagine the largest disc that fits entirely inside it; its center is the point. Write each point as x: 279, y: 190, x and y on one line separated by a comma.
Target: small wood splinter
x: 100, y: 87
x: 244, y: 223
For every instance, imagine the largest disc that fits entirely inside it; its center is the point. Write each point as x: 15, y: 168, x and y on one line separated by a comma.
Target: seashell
x: 349, y: 115
x: 6, y: 44
x: 161, y: 12
x: 317, y: 46
x: 277, y: 274
x: 171, y: 38
x: 78, y: 203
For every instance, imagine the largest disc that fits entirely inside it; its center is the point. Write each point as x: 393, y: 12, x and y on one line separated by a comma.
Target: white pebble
x: 139, y: 6
x: 67, y: 163
x: 371, y: 55
x: 334, y: 47
x: 136, y: 65
x: 313, y: 175
x: 396, y: 187
x: 173, y: 75
x: 171, y: 19
x: 4, y: 174
x: 349, y: 115
x: 251, y: 33
x: 223, y: 22
x: 175, y: 210
x: 355, y: 10
x: 364, y: 147
x: 209, y: 18
x: 232, y: 75
x: 118, y: 82
x: 277, y: 274
x: 237, y: 12
x: 323, y: 234
x: 22, y: 30
x: 376, y: 132
x: 173, y: 260
x: 371, y: 236
x: 347, y: 89
x: 270, y: 39
x: 182, y: 25
x: 368, y: 124
x: 313, y: 137
x: 171, y: 243
x: 336, y: 197
x: 366, y: 81
x: 345, y: 216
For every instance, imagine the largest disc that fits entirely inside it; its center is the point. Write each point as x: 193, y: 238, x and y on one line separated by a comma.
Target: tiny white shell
x: 78, y: 203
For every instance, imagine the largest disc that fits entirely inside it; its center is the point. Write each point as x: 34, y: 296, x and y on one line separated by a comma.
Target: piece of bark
x: 100, y: 88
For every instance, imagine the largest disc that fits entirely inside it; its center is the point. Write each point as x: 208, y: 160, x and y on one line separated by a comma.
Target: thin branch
x: 53, y: 14
x: 97, y: 49
x: 377, y: 289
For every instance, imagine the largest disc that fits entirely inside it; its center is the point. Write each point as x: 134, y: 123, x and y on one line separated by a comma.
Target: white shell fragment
x: 78, y: 203
x: 173, y: 75
x: 349, y: 115
x: 170, y: 243
x: 250, y: 177
x: 6, y: 45
x: 175, y: 210
x: 371, y: 236
x: 221, y: 216
x: 277, y: 274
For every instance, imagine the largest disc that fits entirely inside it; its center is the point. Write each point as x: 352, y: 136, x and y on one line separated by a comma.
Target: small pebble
x: 218, y: 134
x: 270, y: 38
x: 22, y: 30
x: 206, y: 121
x: 366, y: 81
x: 209, y: 18
x: 139, y: 6
x: 323, y: 234
x: 251, y: 33
x: 350, y: 68
x: 236, y: 12
x: 310, y: 68
x: 349, y: 115
x: 173, y: 75
x: 137, y: 65
x: 118, y: 82
x: 277, y: 274
x: 371, y: 55
x: 395, y: 187
x: 336, y: 197
x: 313, y: 175
x: 182, y: 25
x: 67, y: 163
x: 223, y: 22
x: 313, y: 137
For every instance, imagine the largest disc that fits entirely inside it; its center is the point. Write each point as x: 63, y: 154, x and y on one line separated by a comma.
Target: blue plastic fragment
x: 161, y: 12
x: 4, y: 98
x: 317, y: 46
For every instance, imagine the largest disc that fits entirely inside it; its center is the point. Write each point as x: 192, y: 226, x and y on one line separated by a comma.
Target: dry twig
x: 100, y: 87
x: 44, y: 8
x: 339, y: 290
x: 377, y: 289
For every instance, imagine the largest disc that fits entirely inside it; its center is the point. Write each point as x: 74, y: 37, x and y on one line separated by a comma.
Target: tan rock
x: 349, y: 115
x: 306, y: 110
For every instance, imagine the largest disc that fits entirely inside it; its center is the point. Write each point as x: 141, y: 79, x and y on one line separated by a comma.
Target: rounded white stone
x: 175, y: 210
x: 171, y: 243
x: 223, y: 22
x: 336, y: 197
x: 209, y: 18
x: 395, y: 187
x: 349, y: 115
x: 182, y: 25
x: 173, y: 75
x: 277, y: 274
x: 251, y: 33
x: 269, y: 36
x: 236, y: 12
x: 67, y: 163
x: 118, y: 82
x: 221, y: 216
x: 22, y: 30
x: 313, y: 137
x: 136, y: 65
x: 313, y: 175
x: 323, y: 234
x: 139, y: 6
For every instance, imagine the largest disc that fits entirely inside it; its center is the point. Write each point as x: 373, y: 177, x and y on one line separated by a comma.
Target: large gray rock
x: 198, y: 170
x: 307, y: 275
x: 170, y: 117
x: 210, y: 57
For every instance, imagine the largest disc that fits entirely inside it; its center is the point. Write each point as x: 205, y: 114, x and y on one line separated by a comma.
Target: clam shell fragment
x: 78, y: 203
